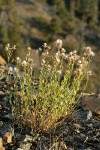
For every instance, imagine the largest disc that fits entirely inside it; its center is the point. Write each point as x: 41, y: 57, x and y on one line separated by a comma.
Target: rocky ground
x: 79, y: 131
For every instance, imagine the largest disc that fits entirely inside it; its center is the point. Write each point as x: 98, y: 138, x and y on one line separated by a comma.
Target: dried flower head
x: 89, y: 52
x: 63, y: 55
x: 24, y: 63
x: 57, y: 59
x: 63, y: 50
x: 18, y: 60
x: 57, y: 54
x: 71, y: 59
x: 71, y: 53
x: 79, y: 62
x: 29, y: 48
x: 14, y: 47
x: 45, y: 45
x: 78, y: 72
x: 58, y: 43
x: 16, y: 70
x: 7, y: 47
x: 10, y: 70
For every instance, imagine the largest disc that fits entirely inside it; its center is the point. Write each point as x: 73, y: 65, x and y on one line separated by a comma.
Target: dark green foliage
x: 54, y: 27
x: 52, y: 2
x: 4, y: 34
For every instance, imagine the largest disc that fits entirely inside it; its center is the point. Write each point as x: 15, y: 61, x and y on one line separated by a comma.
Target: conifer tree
x: 54, y: 27
x: 72, y: 7
x: 89, y: 10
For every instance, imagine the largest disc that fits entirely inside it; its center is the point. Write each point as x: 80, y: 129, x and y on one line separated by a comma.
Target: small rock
x: 28, y: 138
x: 2, y: 94
x: 81, y: 114
x: 82, y: 137
x: 90, y: 125
x: 88, y: 149
x: 4, y: 105
x: 70, y: 148
x: 69, y: 139
x: 89, y: 115
x: 4, y: 129
x: 96, y: 125
x: 91, y: 102
x: 78, y: 126
x: 26, y: 146
x: 7, y: 118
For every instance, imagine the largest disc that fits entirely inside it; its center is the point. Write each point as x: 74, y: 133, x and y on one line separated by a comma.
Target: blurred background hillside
x: 33, y: 22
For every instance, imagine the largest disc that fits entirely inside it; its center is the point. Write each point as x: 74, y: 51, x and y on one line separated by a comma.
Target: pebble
x: 69, y: 139
x: 2, y: 94
x: 4, y: 105
x: 28, y: 138
x: 26, y: 146
x: 7, y: 118
x: 82, y: 137
x: 89, y: 115
x: 78, y: 126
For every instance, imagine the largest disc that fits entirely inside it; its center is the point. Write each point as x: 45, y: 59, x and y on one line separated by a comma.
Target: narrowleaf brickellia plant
x: 59, y: 82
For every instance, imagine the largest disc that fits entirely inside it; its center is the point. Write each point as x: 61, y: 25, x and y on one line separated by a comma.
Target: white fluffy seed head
x: 15, y: 69
x: 29, y: 48
x: 63, y: 55
x: 71, y: 53
x: 58, y: 43
x: 79, y: 62
x: 89, y: 52
x: 57, y: 54
x: 45, y: 45
x: 24, y: 63
x: 63, y: 50
x: 14, y: 47
x: 18, y: 60
x: 7, y: 47
x: 10, y: 69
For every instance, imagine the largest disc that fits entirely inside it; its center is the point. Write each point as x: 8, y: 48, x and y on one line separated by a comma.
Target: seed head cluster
x: 88, y: 52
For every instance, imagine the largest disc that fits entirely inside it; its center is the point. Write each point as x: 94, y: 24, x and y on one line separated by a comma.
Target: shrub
x: 55, y: 96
